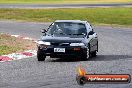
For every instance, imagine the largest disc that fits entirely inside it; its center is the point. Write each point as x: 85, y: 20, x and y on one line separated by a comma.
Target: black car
x: 68, y: 38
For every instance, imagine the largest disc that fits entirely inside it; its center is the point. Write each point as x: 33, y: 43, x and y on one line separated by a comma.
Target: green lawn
x: 7, y: 49
x: 120, y: 16
x: 63, y: 1
x: 10, y: 44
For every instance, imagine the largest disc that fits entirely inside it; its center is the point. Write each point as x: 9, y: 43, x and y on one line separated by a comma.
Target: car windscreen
x: 67, y: 28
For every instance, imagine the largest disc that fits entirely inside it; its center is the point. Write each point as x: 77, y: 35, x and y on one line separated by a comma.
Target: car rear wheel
x: 40, y: 56
x: 94, y: 54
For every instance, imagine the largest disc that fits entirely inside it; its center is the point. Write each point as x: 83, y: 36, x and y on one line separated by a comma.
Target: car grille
x: 60, y: 44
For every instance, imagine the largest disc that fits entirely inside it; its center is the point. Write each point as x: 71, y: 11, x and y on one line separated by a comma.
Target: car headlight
x: 77, y: 44
x: 42, y: 44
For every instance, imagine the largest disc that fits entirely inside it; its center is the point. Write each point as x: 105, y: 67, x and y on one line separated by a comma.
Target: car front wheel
x: 40, y: 56
x: 86, y: 56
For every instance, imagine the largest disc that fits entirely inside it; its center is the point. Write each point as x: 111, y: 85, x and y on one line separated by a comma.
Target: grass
x: 10, y: 44
x: 7, y: 49
x: 119, y: 16
x: 63, y: 1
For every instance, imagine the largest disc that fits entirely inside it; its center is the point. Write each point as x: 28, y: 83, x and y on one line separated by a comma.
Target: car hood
x: 62, y: 39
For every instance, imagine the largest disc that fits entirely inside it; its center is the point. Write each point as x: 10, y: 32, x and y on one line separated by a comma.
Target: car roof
x: 73, y: 21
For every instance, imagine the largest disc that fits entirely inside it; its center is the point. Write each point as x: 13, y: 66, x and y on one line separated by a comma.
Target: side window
x: 91, y: 27
x: 51, y: 25
x: 51, y: 28
x: 91, y: 31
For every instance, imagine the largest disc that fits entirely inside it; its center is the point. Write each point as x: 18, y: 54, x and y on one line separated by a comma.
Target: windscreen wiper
x: 62, y: 33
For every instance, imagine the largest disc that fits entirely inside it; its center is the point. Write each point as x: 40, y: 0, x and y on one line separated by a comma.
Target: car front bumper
x: 70, y: 51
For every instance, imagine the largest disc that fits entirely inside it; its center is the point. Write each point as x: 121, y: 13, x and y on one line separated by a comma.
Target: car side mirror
x: 43, y: 30
x: 90, y: 33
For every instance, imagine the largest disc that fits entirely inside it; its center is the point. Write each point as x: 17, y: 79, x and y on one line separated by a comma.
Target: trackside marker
x: 27, y: 53
x: 4, y: 58
x: 15, y: 36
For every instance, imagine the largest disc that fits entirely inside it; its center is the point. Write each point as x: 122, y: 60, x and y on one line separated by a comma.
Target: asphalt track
x: 39, y: 6
x: 115, y: 56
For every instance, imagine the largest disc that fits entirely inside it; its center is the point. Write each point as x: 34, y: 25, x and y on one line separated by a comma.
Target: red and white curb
x: 22, y: 55
x: 18, y: 56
